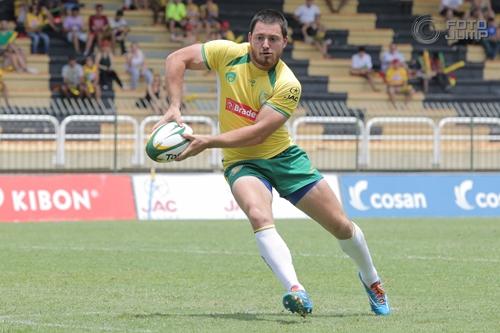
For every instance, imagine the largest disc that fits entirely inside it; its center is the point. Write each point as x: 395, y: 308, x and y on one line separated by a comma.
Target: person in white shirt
x: 450, y: 8
x: 136, y: 66
x: 391, y: 54
x: 120, y: 29
x: 362, y: 66
x: 307, y: 14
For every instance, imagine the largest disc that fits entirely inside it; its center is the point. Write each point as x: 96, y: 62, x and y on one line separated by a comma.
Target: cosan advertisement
x: 368, y: 195
x: 75, y: 197
x: 198, y: 197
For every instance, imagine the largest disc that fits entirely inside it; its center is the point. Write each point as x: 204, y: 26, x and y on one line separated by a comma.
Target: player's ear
x: 249, y: 37
x: 285, y: 41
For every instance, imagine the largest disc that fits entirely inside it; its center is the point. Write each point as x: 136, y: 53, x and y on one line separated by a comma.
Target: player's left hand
x: 198, y: 144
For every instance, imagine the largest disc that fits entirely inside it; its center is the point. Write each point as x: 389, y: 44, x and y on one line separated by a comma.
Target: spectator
x: 33, y: 25
x: 53, y: 13
x: 119, y: 31
x: 136, y: 66
x: 13, y: 55
x: 73, y: 28
x: 451, y: 8
x: 141, y: 4
x: 69, y: 5
x: 307, y: 14
x: 91, y: 78
x: 193, y: 22
x: 388, y: 56
x: 73, y: 79
x: 490, y: 43
x: 341, y: 5
x: 362, y: 66
x: 98, y: 28
x: 316, y: 35
x: 437, y: 72
x: 155, y: 96
x: 482, y: 9
x: 210, y: 16
x: 228, y: 34
x: 397, y: 82
x: 175, y: 15
x: 158, y: 7
x: 104, y: 60
x: 417, y: 72
x: 3, y: 89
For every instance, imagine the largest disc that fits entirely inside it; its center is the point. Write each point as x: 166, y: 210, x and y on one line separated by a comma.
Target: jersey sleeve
x: 217, y: 53
x: 286, y: 98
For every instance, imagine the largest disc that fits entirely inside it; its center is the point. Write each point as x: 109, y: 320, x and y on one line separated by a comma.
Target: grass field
x: 441, y: 275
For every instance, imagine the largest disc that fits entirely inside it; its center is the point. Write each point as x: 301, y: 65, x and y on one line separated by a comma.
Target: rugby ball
x: 167, y: 142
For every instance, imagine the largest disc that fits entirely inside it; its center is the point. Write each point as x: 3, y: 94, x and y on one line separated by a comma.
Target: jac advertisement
x: 75, y: 197
x: 407, y: 195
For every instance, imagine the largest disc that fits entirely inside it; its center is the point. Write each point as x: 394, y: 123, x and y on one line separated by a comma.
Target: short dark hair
x: 361, y: 49
x: 270, y: 16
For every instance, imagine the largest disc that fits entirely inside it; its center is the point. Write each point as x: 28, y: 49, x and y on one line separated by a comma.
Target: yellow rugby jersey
x: 243, y: 89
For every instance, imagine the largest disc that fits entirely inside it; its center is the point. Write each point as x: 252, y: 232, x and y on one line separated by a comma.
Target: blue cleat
x: 298, y: 301
x: 377, y: 297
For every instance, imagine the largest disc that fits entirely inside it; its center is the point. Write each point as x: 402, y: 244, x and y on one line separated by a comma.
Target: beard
x: 266, y: 61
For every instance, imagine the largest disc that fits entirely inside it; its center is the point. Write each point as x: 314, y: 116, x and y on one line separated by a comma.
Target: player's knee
x: 258, y: 217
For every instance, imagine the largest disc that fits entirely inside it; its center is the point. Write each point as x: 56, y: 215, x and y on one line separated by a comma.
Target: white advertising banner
x: 199, y: 197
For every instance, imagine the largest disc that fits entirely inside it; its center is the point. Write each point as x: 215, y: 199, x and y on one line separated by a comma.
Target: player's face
x: 266, y: 45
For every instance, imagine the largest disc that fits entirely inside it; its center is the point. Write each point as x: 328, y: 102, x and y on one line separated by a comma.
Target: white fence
x: 362, y: 137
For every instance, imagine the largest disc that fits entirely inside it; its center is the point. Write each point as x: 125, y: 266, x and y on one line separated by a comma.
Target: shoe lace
x: 379, y: 292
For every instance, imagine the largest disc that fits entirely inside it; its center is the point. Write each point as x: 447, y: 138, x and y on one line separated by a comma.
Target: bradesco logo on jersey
x: 240, y: 109
x: 382, y: 196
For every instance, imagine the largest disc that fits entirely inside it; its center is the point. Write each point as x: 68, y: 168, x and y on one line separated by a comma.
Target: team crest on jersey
x: 230, y: 77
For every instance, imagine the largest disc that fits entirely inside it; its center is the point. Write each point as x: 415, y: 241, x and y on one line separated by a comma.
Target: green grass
x: 441, y: 275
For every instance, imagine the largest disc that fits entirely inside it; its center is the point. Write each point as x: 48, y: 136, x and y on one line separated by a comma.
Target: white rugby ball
x: 167, y: 142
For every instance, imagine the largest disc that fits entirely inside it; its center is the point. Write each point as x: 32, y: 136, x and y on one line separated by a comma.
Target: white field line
x: 237, y: 253
x: 28, y: 322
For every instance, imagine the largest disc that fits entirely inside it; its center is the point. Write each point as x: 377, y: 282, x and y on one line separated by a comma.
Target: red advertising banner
x: 75, y: 197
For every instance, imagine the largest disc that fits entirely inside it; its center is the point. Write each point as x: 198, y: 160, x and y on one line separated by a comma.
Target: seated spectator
x: 119, y: 31
x: 228, y: 34
x: 210, y: 17
x: 14, y: 58
x: 437, y: 72
x: 175, y: 16
x: 482, y: 9
x: 451, y: 8
x: 136, y: 66
x: 316, y: 35
x: 193, y: 24
x: 20, y: 12
x: 91, y: 78
x: 158, y: 8
x: 418, y: 74
x: 3, y: 89
x: 69, y: 5
x: 73, y: 28
x: 98, y: 29
x: 491, y: 43
x: 155, y: 96
x: 361, y: 65
x: 307, y: 15
x: 104, y: 60
x: 391, y: 54
x: 397, y: 82
x: 73, y: 79
x: 33, y: 25
x: 53, y: 13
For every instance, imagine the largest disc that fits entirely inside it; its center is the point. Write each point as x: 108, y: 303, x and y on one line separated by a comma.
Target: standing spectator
x: 13, y: 55
x: 91, y: 78
x: 33, y: 24
x: 397, y: 82
x: 210, y: 16
x: 175, y: 16
x: 119, y: 31
x: 73, y: 27
x: 136, y: 66
x: 388, y: 56
x: 104, y: 60
x: 362, y: 66
x: 98, y: 28
x: 307, y: 14
x: 73, y: 79
x: 490, y: 43
x: 3, y: 89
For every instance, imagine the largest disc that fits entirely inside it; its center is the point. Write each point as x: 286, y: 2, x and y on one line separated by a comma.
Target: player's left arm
x: 267, y: 121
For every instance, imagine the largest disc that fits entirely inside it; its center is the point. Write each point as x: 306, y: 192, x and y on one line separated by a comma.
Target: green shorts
x: 287, y: 172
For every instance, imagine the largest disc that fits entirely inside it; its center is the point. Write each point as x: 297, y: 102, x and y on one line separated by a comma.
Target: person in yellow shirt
x: 91, y: 78
x: 396, y: 78
x: 33, y: 24
x: 258, y: 93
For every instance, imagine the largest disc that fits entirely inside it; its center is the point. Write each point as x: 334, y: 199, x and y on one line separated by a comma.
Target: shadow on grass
x: 280, y: 317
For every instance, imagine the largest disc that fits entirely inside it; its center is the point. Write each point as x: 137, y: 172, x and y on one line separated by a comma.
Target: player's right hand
x: 172, y: 114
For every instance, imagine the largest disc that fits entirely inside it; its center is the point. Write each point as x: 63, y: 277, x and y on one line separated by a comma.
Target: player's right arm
x: 189, y: 57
